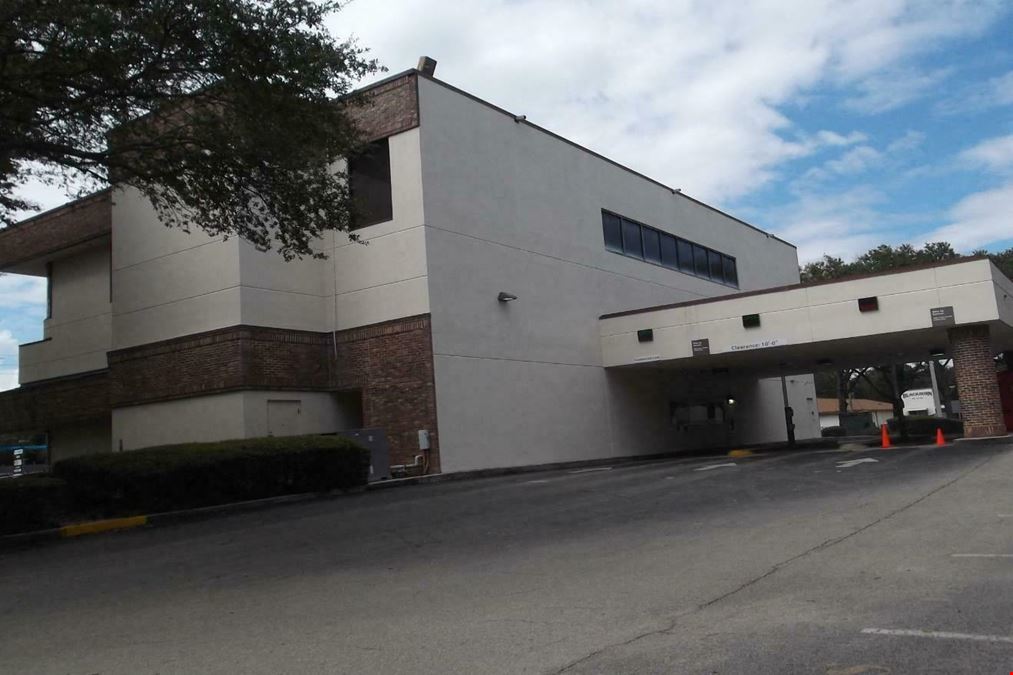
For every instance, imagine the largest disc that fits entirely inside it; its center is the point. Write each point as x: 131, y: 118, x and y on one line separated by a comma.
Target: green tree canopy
x: 884, y: 258
x: 224, y: 113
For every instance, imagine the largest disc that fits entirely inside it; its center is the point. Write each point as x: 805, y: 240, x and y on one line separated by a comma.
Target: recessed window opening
x: 369, y: 182
x: 636, y: 240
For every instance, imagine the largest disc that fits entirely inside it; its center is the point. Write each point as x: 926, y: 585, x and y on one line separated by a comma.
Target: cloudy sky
x: 838, y: 125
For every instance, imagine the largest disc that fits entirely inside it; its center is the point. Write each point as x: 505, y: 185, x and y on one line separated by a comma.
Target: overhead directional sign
x: 854, y: 462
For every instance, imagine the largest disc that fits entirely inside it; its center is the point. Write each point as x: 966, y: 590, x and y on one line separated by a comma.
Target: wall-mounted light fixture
x: 730, y: 399
x: 506, y: 297
x: 751, y: 321
x: 870, y: 304
x: 825, y: 362
x: 645, y: 335
x: 937, y: 351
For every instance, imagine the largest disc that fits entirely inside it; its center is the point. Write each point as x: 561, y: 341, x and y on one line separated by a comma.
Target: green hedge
x: 31, y: 503
x: 926, y: 426
x: 189, y: 475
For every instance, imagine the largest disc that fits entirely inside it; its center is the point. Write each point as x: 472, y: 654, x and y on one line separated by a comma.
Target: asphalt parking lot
x: 812, y: 562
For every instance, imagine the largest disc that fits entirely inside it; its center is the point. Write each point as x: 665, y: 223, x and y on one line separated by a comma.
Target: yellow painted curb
x: 97, y: 526
x: 740, y: 453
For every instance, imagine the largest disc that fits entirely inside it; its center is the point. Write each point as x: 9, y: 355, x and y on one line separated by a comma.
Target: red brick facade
x: 387, y: 108
x: 228, y: 359
x: 390, y: 363
x: 52, y: 403
x: 62, y: 228
x: 977, y: 383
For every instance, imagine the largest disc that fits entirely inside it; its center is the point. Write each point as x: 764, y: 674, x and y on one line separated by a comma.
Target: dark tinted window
x: 613, y: 232
x: 700, y: 260
x: 369, y: 180
x: 716, y: 269
x: 731, y: 272
x: 652, y: 245
x: 685, y: 256
x: 669, y: 256
x: 631, y: 239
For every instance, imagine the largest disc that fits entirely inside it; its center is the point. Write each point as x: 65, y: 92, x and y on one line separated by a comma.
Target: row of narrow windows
x: 642, y: 242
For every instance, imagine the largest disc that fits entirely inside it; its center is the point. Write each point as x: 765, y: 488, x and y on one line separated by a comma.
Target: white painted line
x: 941, y: 635
x: 982, y: 555
x: 532, y: 482
x: 852, y: 462
x: 1004, y: 515
x: 597, y: 468
x: 715, y: 466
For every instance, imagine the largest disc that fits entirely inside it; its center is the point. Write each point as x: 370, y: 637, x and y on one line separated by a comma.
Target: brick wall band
x: 390, y: 364
x: 43, y: 405
x: 977, y: 384
x: 387, y: 108
x: 66, y: 226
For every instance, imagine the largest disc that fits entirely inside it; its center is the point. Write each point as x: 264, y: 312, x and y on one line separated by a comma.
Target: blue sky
x: 838, y: 125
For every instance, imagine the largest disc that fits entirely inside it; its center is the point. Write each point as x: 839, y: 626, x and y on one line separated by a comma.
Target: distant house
x: 827, y: 407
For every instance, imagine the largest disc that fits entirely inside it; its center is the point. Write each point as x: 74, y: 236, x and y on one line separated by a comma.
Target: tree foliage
x: 885, y: 258
x: 226, y: 114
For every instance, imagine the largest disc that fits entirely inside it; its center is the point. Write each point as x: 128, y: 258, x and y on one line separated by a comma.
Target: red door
x: 1006, y: 396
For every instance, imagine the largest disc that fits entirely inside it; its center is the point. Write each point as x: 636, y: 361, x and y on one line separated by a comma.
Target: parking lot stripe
x: 941, y: 635
x: 595, y: 468
x: 715, y: 466
x: 981, y: 555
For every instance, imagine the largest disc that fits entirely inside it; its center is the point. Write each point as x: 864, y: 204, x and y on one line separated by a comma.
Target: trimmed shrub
x: 31, y: 503
x: 190, y: 475
x: 830, y: 432
x: 926, y: 426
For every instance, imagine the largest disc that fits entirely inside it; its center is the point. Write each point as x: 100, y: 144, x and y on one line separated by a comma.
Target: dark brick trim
x: 977, y: 381
x: 47, y: 404
x: 386, y: 108
x: 389, y: 363
x: 72, y: 224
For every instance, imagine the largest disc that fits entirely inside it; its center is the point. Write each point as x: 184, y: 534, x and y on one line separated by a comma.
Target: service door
x: 283, y: 417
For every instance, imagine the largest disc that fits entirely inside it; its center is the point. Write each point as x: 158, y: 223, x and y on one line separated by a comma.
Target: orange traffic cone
x: 886, y: 437
x: 940, y: 439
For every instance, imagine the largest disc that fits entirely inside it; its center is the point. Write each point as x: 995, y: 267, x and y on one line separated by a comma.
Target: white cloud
x: 911, y: 140
x: 8, y: 360
x: 981, y: 219
x: 18, y: 290
x: 995, y: 154
x: 997, y: 91
x: 690, y: 93
x: 891, y: 90
x: 855, y: 160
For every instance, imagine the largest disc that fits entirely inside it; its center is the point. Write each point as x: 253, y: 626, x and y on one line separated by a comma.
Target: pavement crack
x: 829, y: 543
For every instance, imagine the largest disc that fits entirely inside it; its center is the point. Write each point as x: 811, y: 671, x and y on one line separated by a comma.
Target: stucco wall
x: 78, y: 334
x: 510, y: 208
x: 359, y: 283
x: 219, y: 417
x: 166, y: 282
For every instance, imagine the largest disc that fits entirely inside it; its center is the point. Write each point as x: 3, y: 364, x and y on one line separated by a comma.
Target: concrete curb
x: 74, y: 530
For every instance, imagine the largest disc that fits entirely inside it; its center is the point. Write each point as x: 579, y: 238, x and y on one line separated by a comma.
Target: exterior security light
x: 870, y: 304
x: 731, y: 399
x: 751, y: 321
x: 506, y: 297
x: 937, y: 351
x: 825, y: 362
x: 645, y: 335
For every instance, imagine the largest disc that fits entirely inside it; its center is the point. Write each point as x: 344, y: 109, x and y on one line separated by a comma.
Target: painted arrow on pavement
x: 714, y: 466
x: 853, y: 462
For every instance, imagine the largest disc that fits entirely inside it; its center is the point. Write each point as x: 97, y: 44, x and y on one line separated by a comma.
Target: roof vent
x: 427, y: 66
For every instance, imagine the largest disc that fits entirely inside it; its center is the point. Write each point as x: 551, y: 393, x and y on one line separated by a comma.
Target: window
x: 669, y: 254
x: 49, y: 290
x: 652, y: 246
x: 731, y: 272
x: 630, y: 238
x: 685, y: 256
x: 716, y: 268
x: 369, y: 182
x: 632, y: 243
x: 700, y: 260
x: 610, y: 223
